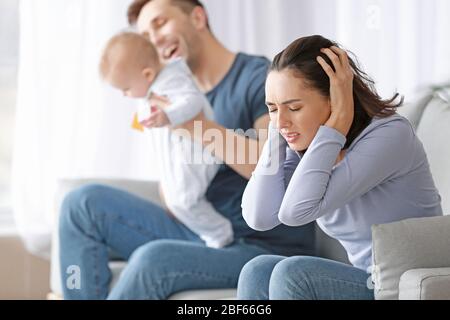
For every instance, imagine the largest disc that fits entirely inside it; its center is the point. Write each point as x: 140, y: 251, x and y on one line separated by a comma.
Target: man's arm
x: 234, y: 147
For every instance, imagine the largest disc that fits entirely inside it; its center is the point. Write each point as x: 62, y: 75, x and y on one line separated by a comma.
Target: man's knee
x: 78, y: 203
x: 157, y: 256
x: 153, y: 266
x: 151, y: 272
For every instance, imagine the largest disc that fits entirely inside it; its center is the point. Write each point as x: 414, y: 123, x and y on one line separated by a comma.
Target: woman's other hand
x: 341, y: 89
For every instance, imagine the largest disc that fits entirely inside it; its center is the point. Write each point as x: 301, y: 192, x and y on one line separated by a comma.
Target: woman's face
x: 296, y: 109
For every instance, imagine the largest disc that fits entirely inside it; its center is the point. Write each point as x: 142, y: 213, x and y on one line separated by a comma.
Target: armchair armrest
x: 145, y: 189
x: 397, y: 247
x: 425, y: 284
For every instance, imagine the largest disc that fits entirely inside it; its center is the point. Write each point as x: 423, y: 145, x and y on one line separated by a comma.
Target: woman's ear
x: 149, y: 74
x: 199, y: 18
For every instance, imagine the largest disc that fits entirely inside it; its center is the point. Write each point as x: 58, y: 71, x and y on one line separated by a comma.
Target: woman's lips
x: 291, y: 137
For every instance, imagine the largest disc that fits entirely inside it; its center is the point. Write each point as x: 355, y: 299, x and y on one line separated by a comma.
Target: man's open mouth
x: 170, y: 52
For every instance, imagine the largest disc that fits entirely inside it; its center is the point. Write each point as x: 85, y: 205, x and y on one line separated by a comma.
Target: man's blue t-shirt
x: 238, y: 101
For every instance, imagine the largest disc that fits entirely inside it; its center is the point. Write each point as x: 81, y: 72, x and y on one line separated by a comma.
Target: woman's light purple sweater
x: 384, y: 177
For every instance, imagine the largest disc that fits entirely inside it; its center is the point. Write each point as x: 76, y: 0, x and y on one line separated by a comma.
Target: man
x: 164, y: 256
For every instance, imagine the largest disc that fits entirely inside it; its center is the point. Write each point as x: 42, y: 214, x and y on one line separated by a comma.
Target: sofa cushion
x: 425, y: 284
x: 434, y: 132
x: 404, y: 245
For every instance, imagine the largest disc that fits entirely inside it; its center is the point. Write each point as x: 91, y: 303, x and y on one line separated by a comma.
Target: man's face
x: 170, y: 29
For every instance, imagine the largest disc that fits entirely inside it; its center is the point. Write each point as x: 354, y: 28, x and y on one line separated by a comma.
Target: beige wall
x: 22, y: 275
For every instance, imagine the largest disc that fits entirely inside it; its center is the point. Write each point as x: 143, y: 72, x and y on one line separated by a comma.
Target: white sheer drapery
x: 69, y: 123
x: 403, y: 44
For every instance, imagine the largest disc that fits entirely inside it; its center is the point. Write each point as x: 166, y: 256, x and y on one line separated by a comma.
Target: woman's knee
x: 291, y: 279
x: 258, y: 268
x: 254, y: 278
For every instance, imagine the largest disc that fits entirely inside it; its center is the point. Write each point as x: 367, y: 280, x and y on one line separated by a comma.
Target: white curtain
x: 70, y: 124
x: 403, y: 44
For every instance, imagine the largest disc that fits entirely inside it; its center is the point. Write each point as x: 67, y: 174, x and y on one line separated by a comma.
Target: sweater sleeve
x: 318, y: 188
x: 265, y: 191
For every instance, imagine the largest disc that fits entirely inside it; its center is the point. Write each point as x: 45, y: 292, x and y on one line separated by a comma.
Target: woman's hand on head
x: 341, y: 89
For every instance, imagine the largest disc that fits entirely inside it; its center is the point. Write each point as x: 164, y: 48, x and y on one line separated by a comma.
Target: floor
x: 22, y: 275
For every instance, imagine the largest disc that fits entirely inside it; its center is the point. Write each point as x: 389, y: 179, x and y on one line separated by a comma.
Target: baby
x: 130, y: 63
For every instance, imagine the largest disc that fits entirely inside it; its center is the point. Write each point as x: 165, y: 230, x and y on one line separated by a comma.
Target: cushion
x: 425, y: 284
x: 413, y: 110
x: 434, y: 132
x: 404, y: 245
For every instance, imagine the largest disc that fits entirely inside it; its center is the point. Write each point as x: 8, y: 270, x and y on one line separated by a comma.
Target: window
x: 9, y: 48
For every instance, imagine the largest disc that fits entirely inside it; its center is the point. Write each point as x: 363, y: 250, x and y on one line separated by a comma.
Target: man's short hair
x: 136, y: 6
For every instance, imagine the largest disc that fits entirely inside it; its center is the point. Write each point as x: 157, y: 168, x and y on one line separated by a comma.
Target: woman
x: 337, y: 154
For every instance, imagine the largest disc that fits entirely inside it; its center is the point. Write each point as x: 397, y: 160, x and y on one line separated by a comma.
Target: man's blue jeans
x: 164, y: 256
x: 302, y: 278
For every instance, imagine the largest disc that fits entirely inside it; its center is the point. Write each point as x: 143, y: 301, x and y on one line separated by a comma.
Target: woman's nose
x: 283, y: 120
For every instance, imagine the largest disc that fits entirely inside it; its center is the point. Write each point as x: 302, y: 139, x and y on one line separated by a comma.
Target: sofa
x: 413, y: 278
x: 149, y: 190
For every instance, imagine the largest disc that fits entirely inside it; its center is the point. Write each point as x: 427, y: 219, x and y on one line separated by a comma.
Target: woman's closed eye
x: 293, y: 109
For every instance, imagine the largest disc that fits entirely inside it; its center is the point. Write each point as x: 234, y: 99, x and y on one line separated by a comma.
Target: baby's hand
x: 161, y: 102
x: 157, y: 119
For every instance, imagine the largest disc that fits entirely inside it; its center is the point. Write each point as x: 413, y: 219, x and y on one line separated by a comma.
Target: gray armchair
x: 412, y: 257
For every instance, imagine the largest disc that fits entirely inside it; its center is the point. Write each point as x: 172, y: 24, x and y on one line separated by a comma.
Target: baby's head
x: 130, y: 63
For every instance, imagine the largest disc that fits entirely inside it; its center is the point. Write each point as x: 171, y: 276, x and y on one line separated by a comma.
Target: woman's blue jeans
x: 302, y: 278
x: 164, y: 256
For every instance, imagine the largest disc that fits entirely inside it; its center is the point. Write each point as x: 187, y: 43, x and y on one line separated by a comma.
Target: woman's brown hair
x: 301, y: 57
